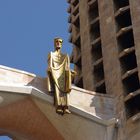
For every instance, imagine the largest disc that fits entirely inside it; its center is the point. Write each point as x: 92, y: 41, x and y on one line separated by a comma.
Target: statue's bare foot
x: 67, y: 111
x: 59, y: 111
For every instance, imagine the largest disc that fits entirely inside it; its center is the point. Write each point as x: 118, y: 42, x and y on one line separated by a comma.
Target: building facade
x: 106, y: 53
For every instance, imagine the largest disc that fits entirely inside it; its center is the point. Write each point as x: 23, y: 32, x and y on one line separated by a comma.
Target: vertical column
x: 127, y: 57
x: 87, y: 66
x: 109, y: 49
x: 128, y: 63
x: 112, y: 69
x: 135, y: 16
x: 132, y: 100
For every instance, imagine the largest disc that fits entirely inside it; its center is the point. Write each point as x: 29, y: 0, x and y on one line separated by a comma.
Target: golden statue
x: 59, y: 77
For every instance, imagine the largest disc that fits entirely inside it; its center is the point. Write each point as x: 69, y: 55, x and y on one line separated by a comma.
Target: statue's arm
x: 49, y: 61
x: 68, y: 62
x: 73, y: 72
x: 49, y: 79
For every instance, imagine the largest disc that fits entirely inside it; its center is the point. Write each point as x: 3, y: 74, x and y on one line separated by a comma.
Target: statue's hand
x: 73, y: 73
x: 49, y: 69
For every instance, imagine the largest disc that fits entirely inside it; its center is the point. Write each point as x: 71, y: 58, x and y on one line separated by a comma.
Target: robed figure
x: 59, y: 77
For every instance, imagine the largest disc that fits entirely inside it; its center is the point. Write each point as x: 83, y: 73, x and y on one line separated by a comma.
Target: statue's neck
x: 58, y: 51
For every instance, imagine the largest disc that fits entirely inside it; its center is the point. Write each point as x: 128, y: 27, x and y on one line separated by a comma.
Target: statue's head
x: 58, y: 43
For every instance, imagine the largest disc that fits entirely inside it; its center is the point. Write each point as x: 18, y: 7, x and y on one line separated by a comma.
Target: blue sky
x: 5, y: 138
x: 27, y: 29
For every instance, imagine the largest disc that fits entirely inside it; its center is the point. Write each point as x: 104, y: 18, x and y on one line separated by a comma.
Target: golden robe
x: 59, y: 77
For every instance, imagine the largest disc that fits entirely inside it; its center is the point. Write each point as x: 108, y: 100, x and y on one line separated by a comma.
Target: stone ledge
x: 91, y: 105
x: 16, y: 70
x: 34, y: 92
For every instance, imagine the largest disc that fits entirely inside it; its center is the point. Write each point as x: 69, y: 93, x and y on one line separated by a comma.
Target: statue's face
x: 58, y: 44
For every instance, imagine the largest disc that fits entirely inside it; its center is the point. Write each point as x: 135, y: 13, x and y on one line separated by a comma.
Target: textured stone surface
x: 117, y: 19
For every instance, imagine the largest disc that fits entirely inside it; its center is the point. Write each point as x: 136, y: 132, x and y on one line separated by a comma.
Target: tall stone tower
x: 106, y: 53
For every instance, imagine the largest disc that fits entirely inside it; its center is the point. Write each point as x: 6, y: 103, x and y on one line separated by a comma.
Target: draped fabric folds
x: 59, y: 77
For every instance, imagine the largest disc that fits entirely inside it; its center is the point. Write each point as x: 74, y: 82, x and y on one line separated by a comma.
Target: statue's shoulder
x: 49, y: 55
x: 52, y: 54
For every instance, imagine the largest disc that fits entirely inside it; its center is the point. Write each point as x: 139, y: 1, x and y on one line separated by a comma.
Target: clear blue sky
x: 27, y: 29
